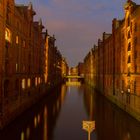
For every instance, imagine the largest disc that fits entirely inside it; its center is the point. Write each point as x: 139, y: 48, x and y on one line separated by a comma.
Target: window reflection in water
x: 35, y: 122
x: 45, y: 124
x: 22, y: 135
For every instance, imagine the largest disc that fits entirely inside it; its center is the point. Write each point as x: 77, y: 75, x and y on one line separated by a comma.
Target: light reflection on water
x: 60, y: 114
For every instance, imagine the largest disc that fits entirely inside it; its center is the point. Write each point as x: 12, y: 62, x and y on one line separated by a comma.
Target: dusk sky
x: 77, y: 24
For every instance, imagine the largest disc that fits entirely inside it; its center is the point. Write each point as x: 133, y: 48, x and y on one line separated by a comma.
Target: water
x: 60, y: 114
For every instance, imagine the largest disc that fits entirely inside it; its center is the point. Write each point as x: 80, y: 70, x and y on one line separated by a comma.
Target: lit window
x: 17, y: 39
x: 7, y: 35
x: 16, y: 67
x: 29, y: 82
x: 23, y: 84
x: 45, y: 75
x: 39, y: 80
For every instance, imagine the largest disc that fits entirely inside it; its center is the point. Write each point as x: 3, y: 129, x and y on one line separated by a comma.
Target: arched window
x: 129, y: 47
x: 129, y: 59
x: 7, y: 35
x: 128, y: 35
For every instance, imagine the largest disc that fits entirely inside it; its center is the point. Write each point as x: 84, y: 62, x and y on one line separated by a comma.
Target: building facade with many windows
x: 118, y: 67
x: 27, y: 59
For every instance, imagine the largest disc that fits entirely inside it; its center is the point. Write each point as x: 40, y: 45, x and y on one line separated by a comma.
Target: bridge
x: 73, y: 79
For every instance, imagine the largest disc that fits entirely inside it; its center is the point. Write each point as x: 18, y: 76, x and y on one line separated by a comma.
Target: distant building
x: 73, y: 71
x: 80, y: 69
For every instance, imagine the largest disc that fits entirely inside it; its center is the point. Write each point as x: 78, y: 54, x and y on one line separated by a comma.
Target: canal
x: 59, y: 116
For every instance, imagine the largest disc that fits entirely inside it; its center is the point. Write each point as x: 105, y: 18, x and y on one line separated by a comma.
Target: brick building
x: 29, y: 60
x: 20, y: 58
x: 118, y: 67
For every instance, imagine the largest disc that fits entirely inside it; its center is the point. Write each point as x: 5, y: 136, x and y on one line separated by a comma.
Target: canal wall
x: 112, y: 64
x: 128, y: 103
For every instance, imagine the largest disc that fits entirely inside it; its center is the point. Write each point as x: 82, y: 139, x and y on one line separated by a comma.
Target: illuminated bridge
x: 74, y: 78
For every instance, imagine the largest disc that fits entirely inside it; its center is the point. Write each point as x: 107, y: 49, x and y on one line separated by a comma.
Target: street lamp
x: 89, y: 126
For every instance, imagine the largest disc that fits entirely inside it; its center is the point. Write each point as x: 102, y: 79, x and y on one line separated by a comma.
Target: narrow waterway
x: 59, y: 116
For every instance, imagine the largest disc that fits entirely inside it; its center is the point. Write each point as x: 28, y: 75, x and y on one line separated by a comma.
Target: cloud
x: 77, y: 24
x: 74, y: 25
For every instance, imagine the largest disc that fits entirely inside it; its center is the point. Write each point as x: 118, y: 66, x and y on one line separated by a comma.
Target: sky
x: 77, y: 24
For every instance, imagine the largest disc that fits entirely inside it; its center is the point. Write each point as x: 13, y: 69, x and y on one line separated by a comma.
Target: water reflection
x: 28, y: 132
x: 59, y: 116
x: 111, y: 122
x: 22, y: 136
x: 45, y: 124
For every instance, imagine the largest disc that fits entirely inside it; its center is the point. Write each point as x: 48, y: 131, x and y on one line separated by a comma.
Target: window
x: 17, y: 39
x: 128, y: 35
x: 129, y: 47
x: 39, y: 80
x: 7, y: 35
x: 23, y: 83
x: 16, y: 67
x: 129, y: 59
x: 45, y: 75
x: 29, y: 82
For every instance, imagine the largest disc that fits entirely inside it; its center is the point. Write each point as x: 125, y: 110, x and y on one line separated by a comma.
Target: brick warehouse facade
x: 118, y: 67
x: 25, y: 59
